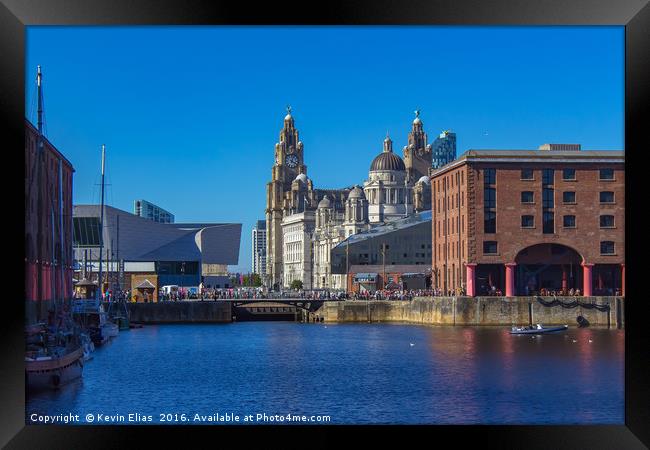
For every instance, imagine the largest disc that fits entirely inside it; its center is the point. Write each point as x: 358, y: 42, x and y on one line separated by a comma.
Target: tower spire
x: 388, y: 144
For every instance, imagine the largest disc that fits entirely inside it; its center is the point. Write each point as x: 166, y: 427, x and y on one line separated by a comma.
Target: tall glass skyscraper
x: 444, y: 149
x: 259, y: 248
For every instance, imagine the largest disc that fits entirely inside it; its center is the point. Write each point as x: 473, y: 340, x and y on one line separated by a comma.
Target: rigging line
x: 45, y: 133
x: 32, y: 106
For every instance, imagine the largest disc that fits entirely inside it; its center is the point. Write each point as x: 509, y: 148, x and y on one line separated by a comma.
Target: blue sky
x: 190, y: 115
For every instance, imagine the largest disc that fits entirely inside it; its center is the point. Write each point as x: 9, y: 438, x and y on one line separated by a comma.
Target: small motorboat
x: 537, y: 329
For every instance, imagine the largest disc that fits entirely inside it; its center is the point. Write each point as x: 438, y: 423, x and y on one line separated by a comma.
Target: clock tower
x: 288, y: 164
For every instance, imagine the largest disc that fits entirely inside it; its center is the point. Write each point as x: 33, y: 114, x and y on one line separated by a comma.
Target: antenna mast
x: 98, y: 296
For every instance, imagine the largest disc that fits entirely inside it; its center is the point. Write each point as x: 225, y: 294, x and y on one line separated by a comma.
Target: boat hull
x: 53, y: 373
x: 541, y: 331
x: 110, y: 329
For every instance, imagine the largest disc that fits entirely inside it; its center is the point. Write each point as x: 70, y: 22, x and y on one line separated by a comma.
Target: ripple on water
x: 356, y: 373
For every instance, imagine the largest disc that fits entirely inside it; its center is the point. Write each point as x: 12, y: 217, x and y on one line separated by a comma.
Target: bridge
x: 309, y: 305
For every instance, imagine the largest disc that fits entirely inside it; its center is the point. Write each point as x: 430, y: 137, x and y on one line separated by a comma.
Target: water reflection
x: 357, y: 373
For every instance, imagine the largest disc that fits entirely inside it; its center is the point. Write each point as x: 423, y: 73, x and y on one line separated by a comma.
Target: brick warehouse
x: 49, y: 266
x: 519, y: 221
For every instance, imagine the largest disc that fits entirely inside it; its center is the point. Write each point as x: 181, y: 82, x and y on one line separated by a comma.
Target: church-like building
x: 305, y: 223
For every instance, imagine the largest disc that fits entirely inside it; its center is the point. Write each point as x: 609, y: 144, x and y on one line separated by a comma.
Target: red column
x: 564, y: 278
x: 471, y: 289
x: 623, y: 279
x: 48, y: 285
x: 586, y: 278
x: 510, y: 279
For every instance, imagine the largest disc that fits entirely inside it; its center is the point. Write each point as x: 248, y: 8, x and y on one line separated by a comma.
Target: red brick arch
x: 544, y: 251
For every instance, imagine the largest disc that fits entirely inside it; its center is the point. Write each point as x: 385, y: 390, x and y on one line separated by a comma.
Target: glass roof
x: 399, y: 224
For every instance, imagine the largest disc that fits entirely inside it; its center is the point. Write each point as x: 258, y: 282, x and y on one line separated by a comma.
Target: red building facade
x: 523, y: 221
x: 48, y: 224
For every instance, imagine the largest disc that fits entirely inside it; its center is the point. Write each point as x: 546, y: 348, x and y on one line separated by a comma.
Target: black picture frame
x: 633, y: 14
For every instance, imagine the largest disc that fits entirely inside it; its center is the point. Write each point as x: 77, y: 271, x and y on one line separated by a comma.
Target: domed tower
x: 324, y: 212
x: 422, y: 194
x: 298, y: 199
x: 386, y: 189
x: 417, y: 154
x: 356, y: 212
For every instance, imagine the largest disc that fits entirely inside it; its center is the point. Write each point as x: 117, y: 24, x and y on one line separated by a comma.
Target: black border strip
x: 634, y: 14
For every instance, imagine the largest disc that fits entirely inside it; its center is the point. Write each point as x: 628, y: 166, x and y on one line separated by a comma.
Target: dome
x: 424, y: 179
x: 416, y: 121
x: 356, y: 192
x: 301, y: 177
x: 288, y: 117
x: 387, y: 161
x: 325, y: 203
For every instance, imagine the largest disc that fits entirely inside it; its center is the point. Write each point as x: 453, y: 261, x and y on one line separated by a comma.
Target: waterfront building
x: 147, y: 210
x: 182, y: 254
x: 297, y: 230
x: 395, y: 189
x: 388, y: 192
x: 371, y: 278
x: 519, y: 221
x: 48, y: 241
x: 444, y: 149
x: 327, y: 233
x: 384, y: 253
x: 258, y: 250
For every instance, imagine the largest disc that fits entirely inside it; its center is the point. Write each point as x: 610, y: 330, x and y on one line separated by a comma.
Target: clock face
x: 291, y: 161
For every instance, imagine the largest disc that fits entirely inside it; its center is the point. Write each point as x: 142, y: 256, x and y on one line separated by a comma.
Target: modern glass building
x: 403, y: 242
x: 444, y: 149
x: 147, y: 210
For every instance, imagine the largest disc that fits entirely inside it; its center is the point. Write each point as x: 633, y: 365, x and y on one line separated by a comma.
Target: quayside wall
x: 476, y: 311
x: 180, y: 312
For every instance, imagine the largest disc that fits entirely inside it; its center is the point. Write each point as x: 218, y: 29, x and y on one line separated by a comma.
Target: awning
x: 413, y: 275
x: 365, y: 277
x: 86, y: 282
x: 146, y: 284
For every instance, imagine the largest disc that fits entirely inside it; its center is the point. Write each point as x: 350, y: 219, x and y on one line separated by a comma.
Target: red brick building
x: 371, y: 278
x: 519, y: 221
x: 48, y: 227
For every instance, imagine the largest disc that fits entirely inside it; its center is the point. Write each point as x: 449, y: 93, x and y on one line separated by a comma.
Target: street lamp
x: 183, y: 278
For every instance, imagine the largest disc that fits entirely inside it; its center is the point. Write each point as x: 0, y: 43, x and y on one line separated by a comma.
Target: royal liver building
x: 304, y: 223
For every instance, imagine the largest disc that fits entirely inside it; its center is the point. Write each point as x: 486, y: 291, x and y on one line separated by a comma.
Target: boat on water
x: 52, y: 357
x: 88, y: 346
x: 537, y: 329
x: 119, y: 314
x: 91, y: 316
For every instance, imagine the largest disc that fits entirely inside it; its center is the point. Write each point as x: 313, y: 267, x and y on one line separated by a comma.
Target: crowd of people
x: 383, y: 294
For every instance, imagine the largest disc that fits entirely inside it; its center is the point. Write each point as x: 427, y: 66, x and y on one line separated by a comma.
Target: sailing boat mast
x: 98, y: 296
x: 39, y: 201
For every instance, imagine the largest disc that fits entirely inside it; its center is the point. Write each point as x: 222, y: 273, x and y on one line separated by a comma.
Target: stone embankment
x: 478, y: 311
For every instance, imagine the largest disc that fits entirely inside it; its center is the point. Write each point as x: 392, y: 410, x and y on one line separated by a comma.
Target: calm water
x: 355, y: 373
